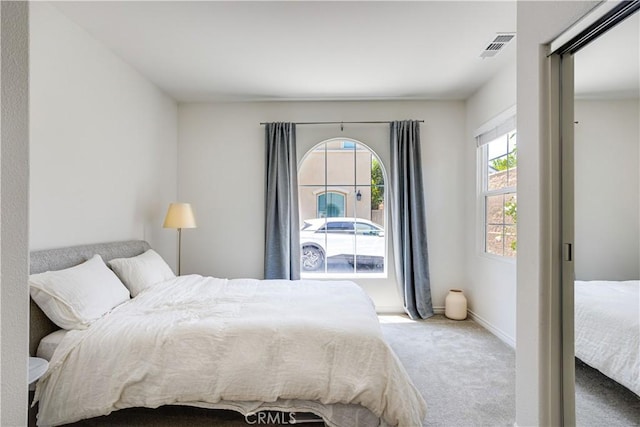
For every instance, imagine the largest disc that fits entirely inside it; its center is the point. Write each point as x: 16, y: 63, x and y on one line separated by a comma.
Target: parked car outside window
x: 336, y: 242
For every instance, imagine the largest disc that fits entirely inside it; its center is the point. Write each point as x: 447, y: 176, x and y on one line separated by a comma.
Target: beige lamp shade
x: 179, y: 215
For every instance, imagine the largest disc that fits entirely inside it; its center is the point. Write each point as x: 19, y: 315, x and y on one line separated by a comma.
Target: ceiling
x: 304, y: 50
x: 609, y: 67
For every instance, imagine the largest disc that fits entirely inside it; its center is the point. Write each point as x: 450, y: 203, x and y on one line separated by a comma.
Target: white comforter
x: 239, y: 344
x: 607, y: 329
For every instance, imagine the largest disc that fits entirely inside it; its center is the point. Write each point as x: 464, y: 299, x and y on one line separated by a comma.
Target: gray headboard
x: 58, y: 259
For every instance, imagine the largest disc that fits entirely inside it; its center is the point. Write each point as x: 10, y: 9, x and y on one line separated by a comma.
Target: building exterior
x: 335, y: 179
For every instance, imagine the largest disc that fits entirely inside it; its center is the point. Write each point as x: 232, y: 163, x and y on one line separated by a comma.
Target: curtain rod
x: 343, y: 123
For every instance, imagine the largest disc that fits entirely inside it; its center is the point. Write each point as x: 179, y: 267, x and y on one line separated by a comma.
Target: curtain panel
x: 408, y: 219
x: 282, y: 230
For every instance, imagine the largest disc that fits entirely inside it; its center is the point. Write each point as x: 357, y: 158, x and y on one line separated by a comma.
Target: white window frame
x: 341, y: 275
x: 501, y: 125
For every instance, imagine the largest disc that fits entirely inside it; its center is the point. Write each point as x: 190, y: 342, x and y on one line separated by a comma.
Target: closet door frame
x: 561, y: 224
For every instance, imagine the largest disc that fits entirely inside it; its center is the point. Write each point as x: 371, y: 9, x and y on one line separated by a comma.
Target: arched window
x: 341, y: 187
x: 330, y: 204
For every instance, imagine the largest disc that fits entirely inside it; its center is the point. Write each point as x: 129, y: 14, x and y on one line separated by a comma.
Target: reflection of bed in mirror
x: 607, y: 329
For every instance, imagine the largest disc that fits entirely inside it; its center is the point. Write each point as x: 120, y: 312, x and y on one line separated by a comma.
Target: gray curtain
x: 408, y: 219
x: 282, y: 230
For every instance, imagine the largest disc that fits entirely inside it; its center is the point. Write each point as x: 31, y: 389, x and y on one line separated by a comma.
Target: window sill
x: 504, y: 259
x: 343, y: 276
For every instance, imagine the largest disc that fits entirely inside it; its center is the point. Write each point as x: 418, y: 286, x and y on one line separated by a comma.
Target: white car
x: 356, y: 240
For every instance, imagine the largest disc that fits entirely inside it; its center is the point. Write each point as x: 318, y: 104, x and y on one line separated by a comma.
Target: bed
x: 245, y: 345
x: 607, y: 329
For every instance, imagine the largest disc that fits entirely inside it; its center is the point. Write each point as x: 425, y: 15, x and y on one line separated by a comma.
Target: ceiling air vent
x: 496, y: 45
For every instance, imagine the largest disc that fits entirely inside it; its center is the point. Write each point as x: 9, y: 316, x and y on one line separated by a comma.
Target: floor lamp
x: 179, y: 215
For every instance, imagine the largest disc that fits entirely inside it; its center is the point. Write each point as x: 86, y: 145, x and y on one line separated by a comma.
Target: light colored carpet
x: 600, y: 401
x: 466, y: 375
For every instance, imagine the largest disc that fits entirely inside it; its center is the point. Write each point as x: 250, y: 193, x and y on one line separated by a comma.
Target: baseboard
x: 473, y: 316
x: 400, y: 310
x: 495, y: 331
x: 389, y: 309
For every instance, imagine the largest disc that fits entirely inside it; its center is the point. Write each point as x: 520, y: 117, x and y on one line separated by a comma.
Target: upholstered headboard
x: 58, y: 259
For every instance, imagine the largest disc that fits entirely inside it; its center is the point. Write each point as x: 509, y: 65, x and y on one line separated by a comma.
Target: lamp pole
x: 179, y: 250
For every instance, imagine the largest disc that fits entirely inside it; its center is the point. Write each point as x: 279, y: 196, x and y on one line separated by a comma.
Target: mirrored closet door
x: 607, y: 227
x: 600, y: 145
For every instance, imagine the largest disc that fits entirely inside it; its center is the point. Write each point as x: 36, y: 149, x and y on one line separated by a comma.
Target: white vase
x: 455, y: 305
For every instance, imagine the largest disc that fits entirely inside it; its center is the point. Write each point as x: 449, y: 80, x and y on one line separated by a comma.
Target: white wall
x: 491, y: 281
x: 103, y: 142
x: 607, y: 193
x: 537, y: 361
x: 222, y: 166
x: 14, y: 179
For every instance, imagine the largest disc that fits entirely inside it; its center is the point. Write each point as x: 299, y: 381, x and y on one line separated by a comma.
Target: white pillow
x: 75, y: 297
x: 142, y: 271
x: 48, y: 344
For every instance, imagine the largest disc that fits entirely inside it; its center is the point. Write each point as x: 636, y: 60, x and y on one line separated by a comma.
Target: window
x: 330, y: 204
x: 498, y: 170
x: 348, y: 145
x: 367, y: 229
x: 341, y: 196
x: 342, y: 227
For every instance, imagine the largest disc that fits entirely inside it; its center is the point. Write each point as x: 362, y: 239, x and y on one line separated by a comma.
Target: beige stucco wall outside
x: 342, y: 166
